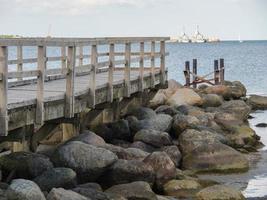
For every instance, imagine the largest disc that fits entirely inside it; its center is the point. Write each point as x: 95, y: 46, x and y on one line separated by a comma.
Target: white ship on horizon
x: 198, y: 37
x: 184, y: 38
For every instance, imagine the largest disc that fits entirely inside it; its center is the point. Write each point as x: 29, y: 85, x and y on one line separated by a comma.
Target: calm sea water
x: 246, y: 62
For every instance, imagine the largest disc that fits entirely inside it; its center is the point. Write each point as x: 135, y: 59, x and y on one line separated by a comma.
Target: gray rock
x: 262, y: 125
x: 55, y: 178
x: 211, y: 100
x: 103, y: 131
x: 21, y: 189
x: 183, y: 122
x: 143, y: 146
x: 120, y: 130
x: 174, y: 153
x: 161, y: 122
x: 88, y: 161
x: 163, y: 166
x: 238, y: 90
x: 142, y: 113
x: 153, y: 137
x: 62, y: 194
x: 26, y: 164
x: 168, y: 110
x: 126, y: 153
x: 89, y: 137
x: 257, y: 102
x: 134, y: 191
x: 125, y: 171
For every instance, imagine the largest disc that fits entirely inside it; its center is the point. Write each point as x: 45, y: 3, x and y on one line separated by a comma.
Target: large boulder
x: 55, y: 178
x: 165, y: 109
x: 153, y: 137
x: 120, y: 130
x: 211, y: 100
x: 190, y: 110
x: 163, y: 166
x: 238, y: 90
x: 126, y: 153
x: 88, y: 161
x: 221, y: 192
x: 227, y: 120
x: 125, y: 171
x: 24, y: 190
x: 185, y: 96
x: 89, y: 137
x: 62, y: 194
x: 181, y: 188
x: 26, y: 164
x: 160, y: 122
x: 160, y: 98
x: 134, y: 191
x: 221, y: 90
x: 236, y: 107
x: 142, y: 113
x: 183, y: 122
x: 174, y: 153
x: 103, y: 131
x: 257, y: 102
x: 214, y: 157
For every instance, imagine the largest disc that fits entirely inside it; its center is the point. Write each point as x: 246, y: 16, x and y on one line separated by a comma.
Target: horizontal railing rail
x: 71, y: 63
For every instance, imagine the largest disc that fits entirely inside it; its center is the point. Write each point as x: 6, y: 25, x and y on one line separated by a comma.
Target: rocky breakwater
x: 151, y: 153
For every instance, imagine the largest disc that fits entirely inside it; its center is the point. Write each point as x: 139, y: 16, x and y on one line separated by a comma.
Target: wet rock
x: 55, y: 178
x: 236, y: 107
x: 89, y: 137
x: 126, y: 153
x: 161, y: 122
x: 142, y: 113
x: 221, y: 90
x: 88, y: 161
x: 143, y: 146
x: 262, y: 125
x: 214, y: 157
x: 26, y: 164
x: 120, y: 130
x: 257, y: 102
x: 181, y: 188
x: 126, y: 171
x: 60, y: 194
x: 183, y: 122
x: 153, y: 137
x: 219, y: 192
x: 185, y: 96
x: 211, y: 100
x: 163, y: 166
x: 24, y: 190
x: 174, y: 153
x: 168, y: 110
x: 133, y: 191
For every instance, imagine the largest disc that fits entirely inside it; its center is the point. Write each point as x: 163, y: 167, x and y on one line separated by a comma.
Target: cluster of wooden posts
x: 218, y: 74
x: 70, y: 69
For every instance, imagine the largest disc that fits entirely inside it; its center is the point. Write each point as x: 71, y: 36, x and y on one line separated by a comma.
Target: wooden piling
x: 141, y: 65
x: 110, y: 71
x: 92, y: 85
x: 162, y: 62
x: 195, y: 73
x: 3, y: 91
x: 20, y: 60
x: 127, y: 75
x: 187, y: 74
x: 222, y: 70
x: 153, y: 49
x: 216, y: 72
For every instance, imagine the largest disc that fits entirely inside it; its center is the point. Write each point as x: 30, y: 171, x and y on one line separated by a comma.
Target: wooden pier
x: 42, y: 94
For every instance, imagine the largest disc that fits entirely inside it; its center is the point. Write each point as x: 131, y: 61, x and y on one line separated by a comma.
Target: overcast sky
x: 98, y: 18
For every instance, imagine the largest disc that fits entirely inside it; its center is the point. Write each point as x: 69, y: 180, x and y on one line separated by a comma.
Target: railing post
x: 63, y: 58
x: 110, y: 71
x: 70, y: 81
x: 222, y: 70
x: 187, y: 74
x: 141, y: 65
x: 41, y: 65
x: 216, y: 72
x: 80, y: 55
x: 92, y: 85
x: 153, y: 49
x: 127, y: 70
x: 162, y: 62
x: 195, y: 72
x: 3, y: 90
x: 20, y: 60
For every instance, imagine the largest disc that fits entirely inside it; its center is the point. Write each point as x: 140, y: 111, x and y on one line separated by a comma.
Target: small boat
x: 184, y: 38
x: 239, y: 39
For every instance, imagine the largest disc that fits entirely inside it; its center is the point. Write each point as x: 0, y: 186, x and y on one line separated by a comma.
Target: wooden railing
x: 69, y: 68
